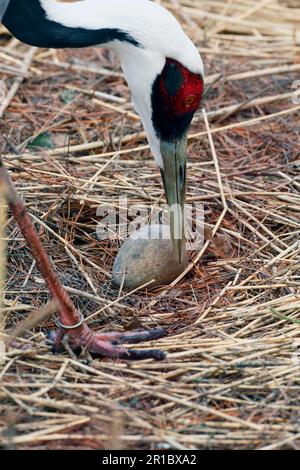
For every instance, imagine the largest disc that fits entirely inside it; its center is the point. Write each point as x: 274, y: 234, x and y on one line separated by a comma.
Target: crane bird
x: 161, y: 65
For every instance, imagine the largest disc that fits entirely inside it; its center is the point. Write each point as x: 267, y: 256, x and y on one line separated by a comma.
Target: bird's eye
x: 190, y: 100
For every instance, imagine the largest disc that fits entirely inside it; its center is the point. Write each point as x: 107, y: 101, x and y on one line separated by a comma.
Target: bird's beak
x: 174, y: 177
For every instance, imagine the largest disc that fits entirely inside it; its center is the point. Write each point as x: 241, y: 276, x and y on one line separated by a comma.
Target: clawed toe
x: 106, y: 344
x: 131, y: 337
x: 138, y: 355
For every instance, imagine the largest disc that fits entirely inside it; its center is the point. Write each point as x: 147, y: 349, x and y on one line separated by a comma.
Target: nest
x: 231, y: 378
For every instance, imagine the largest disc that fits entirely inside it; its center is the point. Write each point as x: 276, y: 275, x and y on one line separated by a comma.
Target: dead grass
x: 231, y: 379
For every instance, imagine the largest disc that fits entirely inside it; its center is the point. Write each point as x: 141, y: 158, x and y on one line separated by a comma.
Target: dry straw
x: 3, y: 222
x: 231, y: 379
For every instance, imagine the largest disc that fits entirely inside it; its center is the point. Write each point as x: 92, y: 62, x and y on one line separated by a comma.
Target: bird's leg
x: 71, y: 321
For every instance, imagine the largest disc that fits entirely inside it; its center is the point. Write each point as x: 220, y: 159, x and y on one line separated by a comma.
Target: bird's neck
x: 81, y: 23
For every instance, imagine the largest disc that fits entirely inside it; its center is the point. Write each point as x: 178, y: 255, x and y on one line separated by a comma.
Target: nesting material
x: 231, y: 380
x: 147, y: 257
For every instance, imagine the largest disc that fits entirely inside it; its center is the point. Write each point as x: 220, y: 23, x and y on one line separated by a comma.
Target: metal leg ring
x: 71, y: 327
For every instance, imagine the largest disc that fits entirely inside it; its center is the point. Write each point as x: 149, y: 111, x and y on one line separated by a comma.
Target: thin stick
x: 218, y: 173
x: 34, y: 319
x: 3, y: 222
x: 18, y: 81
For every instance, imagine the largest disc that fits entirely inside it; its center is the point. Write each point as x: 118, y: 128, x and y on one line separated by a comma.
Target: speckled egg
x: 147, y: 255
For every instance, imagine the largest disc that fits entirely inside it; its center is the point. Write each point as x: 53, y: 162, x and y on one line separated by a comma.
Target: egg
x: 147, y: 256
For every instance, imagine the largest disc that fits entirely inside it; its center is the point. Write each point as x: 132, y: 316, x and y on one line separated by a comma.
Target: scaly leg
x: 71, y: 321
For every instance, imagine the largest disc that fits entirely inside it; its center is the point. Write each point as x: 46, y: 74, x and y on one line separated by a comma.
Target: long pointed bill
x: 174, y: 177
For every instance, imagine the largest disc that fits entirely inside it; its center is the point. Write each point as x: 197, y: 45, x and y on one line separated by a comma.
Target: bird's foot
x: 106, y: 344
x: 71, y: 322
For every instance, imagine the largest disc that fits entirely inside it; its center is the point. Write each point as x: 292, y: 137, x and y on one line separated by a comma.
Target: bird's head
x: 165, y: 76
x: 176, y: 95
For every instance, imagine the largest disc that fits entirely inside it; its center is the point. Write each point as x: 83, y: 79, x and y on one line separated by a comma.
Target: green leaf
x: 42, y: 140
x: 67, y: 96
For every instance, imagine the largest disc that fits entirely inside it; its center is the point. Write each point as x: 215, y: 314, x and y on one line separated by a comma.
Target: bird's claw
x: 107, y: 344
